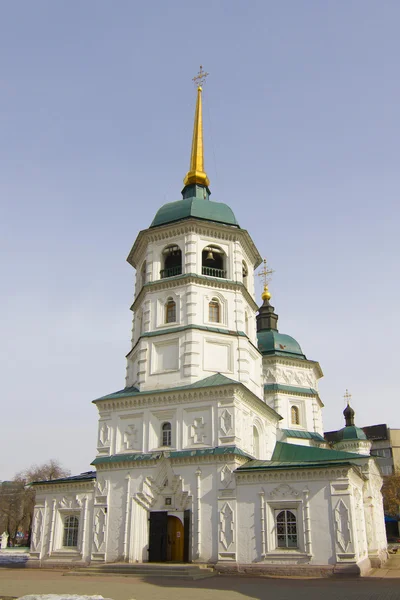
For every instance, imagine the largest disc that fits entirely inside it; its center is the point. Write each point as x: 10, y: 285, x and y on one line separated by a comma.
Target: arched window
x: 295, y: 415
x: 166, y: 431
x: 256, y: 442
x: 213, y: 262
x: 143, y: 272
x: 214, y: 311
x: 171, y: 262
x: 286, y: 529
x: 170, y: 311
x: 71, y: 527
x: 245, y: 273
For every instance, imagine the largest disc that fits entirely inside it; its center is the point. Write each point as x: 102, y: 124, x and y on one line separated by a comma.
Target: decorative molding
x: 342, y: 525
x: 226, y: 476
x: 226, y: 422
x: 291, y: 474
x: 226, y: 520
x: 284, y: 490
x: 74, y: 503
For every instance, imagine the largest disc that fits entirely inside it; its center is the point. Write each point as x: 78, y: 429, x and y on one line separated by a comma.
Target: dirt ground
x: 19, y: 582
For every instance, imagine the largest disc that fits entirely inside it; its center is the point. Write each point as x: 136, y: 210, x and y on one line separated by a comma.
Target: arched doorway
x: 174, y: 539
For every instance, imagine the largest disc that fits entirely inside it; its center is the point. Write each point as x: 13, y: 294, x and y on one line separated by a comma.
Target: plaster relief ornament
x: 104, y: 435
x: 226, y: 526
x: 101, y: 486
x: 283, y: 491
x: 72, y: 503
x: 226, y: 476
x: 130, y: 437
x: 196, y: 430
x: 99, y: 529
x: 343, y: 535
x: 226, y: 422
x: 37, y: 529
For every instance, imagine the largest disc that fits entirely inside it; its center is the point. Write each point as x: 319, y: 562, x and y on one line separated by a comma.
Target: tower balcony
x: 171, y: 272
x: 213, y: 272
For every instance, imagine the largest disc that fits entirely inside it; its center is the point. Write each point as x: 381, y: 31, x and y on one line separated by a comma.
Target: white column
x: 128, y: 493
x: 198, y: 514
x: 43, y: 529
x: 262, y: 515
x: 307, y: 521
x: 83, y: 547
x: 53, y: 516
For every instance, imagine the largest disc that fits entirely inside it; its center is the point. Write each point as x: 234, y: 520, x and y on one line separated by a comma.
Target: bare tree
x: 391, y: 494
x: 17, y: 498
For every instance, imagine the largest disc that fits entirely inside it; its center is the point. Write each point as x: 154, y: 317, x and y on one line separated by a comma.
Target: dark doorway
x: 158, y: 536
x: 169, y: 538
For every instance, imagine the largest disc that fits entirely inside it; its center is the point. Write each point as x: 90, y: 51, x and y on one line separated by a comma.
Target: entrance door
x: 158, y: 537
x: 175, y: 539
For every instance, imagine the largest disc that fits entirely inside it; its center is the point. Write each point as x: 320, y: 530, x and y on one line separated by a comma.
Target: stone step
x: 146, y: 570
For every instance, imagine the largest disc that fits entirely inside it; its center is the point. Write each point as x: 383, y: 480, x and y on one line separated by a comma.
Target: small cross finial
x: 347, y: 396
x: 265, y: 273
x: 200, y: 78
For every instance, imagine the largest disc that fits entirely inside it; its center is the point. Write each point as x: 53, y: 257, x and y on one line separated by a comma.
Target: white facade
x: 195, y: 457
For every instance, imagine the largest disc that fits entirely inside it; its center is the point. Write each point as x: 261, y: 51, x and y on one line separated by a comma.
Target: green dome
x: 272, y: 342
x: 351, y: 433
x: 195, y: 204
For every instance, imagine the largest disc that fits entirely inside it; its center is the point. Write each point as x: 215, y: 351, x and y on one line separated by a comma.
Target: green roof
x: 305, y: 435
x: 212, y: 381
x: 195, y: 208
x: 221, y: 450
x: 351, y: 433
x: 271, y: 341
x: 289, y: 456
x: 291, y: 389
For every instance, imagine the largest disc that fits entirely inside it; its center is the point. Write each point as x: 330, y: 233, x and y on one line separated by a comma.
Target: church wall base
x: 279, y: 570
x: 378, y: 559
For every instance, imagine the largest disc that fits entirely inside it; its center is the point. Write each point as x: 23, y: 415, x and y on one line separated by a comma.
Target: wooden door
x: 175, y: 539
x: 187, y: 535
x: 158, y: 537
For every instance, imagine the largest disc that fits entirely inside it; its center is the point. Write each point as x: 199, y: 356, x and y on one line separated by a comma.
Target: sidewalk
x: 391, y: 568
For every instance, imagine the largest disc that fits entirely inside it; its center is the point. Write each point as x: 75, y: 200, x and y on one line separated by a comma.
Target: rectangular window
x: 286, y: 529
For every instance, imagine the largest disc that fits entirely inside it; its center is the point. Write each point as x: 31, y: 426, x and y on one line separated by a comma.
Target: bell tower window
x: 214, y: 311
x: 245, y: 273
x: 170, y: 311
x: 295, y: 415
x: 166, y: 431
x: 171, y: 262
x: 213, y: 262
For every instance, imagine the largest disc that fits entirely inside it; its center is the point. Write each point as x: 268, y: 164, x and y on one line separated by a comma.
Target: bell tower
x: 194, y: 312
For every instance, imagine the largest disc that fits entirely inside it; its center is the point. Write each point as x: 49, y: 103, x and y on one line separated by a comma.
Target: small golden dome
x: 266, y: 295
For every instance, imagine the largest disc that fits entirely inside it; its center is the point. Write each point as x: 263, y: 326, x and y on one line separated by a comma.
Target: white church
x: 214, y: 451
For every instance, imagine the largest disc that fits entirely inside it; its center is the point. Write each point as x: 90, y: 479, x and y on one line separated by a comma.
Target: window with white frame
x: 256, y: 442
x: 214, y: 311
x: 286, y: 529
x: 71, y: 528
x: 166, y: 431
x: 295, y: 415
x: 170, y: 311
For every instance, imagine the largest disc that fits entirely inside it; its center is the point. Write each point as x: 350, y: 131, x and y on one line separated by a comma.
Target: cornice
x: 73, y: 486
x: 188, y: 460
x: 206, y: 228
x: 293, y: 474
x: 185, y: 279
x: 293, y: 362
x: 166, y: 398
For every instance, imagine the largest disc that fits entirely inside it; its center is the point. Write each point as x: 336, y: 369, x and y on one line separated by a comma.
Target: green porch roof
x: 277, y: 387
x: 289, y: 456
x: 305, y: 435
x: 218, y: 451
x: 213, y: 380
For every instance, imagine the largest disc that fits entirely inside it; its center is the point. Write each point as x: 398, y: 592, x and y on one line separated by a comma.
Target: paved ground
x: 18, y: 582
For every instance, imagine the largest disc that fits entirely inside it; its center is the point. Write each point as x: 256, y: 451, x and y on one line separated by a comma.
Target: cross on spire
x: 266, y: 274
x: 347, y: 396
x: 200, y: 78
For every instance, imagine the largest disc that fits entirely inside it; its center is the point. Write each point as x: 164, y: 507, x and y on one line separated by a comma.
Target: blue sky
x: 302, y: 129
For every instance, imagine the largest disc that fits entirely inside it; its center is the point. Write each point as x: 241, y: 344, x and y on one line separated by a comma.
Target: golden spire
x: 196, y: 173
x: 266, y: 273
